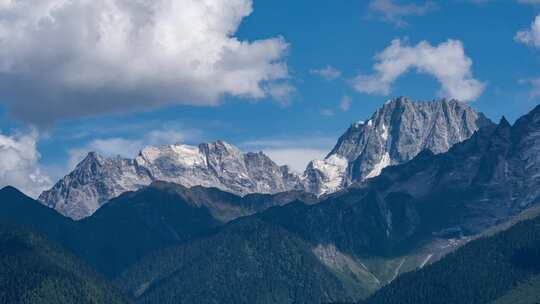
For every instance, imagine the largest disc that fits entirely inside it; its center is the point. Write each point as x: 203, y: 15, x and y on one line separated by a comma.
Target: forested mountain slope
x: 503, y: 268
x: 33, y: 270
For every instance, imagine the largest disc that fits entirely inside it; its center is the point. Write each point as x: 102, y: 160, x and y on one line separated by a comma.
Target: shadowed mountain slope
x: 34, y: 270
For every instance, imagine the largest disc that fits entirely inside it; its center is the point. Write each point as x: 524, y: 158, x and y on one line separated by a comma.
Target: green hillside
x: 499, y: 269
x: 35, y: 271
x: 249, y: 261
x: 525, y: 293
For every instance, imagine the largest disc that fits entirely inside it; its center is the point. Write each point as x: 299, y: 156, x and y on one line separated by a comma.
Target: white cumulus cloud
x: 530, y: 36
x: 63, y: 58
x: 447, y: 62
x: 19, y: 163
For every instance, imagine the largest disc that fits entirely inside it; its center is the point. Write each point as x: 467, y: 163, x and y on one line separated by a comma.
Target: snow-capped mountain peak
x: 98, y: 179
x: 396, y: 133
x: 325, y: 176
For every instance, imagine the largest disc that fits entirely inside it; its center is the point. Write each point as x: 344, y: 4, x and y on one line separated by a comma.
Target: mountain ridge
x: 137, y: 223
x: 395, y: 133
x: 508, y: 273
x: 360, y: 238
x: 97, y: 179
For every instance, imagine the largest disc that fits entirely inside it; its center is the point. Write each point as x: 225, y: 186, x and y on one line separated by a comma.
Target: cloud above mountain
x: 296, y: 152
x: 395, y: 12
x: 530, y: 36
x: 128, y: 147
x: 63, y: 59
x: 328, y: 73
x: 344, y: 106
x: 534, y: 83
x: 447, y: 62
x: 19, y: 164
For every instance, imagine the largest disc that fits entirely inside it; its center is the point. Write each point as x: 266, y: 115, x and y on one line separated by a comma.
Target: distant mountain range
x: 96, y: 179
x: 395, y: 134
x: 168, y: 243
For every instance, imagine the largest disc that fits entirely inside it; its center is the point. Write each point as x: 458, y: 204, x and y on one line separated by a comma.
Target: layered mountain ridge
x: 396, y: 133
x: 97, y: 179
x: 408, y: 217
x: 477, y: 184
x: 511, y: 274
x: 140, y: 222
x: 344, y: 247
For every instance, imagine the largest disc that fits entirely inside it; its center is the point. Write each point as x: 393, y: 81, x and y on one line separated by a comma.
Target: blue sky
x: 298, y: 114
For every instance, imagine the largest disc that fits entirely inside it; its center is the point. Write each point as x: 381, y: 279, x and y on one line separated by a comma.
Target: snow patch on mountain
x: 326, y: 175
x: 221, y: 165
x: 395, y: 133
x: 377, y: 169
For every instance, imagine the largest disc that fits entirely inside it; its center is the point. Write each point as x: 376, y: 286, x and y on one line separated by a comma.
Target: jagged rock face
x: 97, y: 179
x: 325, y: 176
x: 396, y: 133
x: 526, y: 141
x: 476, y: 185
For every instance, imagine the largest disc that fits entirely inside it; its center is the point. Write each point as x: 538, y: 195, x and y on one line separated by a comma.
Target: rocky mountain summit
x: 344, y: 246
x: 407, y: 217
x: 98, y: 179
x: 396, y: 133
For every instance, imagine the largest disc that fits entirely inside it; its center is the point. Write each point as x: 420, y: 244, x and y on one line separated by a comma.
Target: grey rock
x: 479, y: 183
x: 421, y: 210
x: 96, y: 179
x: 396, y: 133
